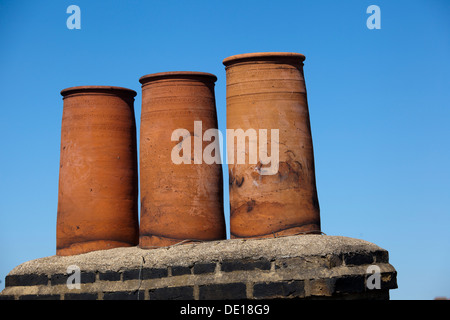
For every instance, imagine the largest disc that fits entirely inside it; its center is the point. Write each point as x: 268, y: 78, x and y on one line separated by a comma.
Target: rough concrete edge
x: 187, y: 254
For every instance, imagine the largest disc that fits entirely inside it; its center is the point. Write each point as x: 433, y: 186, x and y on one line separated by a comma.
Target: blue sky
x: 378, y: 99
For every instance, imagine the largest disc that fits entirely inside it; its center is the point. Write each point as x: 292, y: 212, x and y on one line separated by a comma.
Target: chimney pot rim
x: 262, y: 56
x: 86, y: 89
x: 177, y: 75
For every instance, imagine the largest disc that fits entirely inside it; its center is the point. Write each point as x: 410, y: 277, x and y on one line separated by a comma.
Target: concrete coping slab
x: 187, y: 254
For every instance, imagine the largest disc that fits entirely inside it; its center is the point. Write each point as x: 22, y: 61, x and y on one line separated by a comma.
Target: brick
x: 200, y: 268
x: 109, y: 276
x: 124, y: 295
x: 354, y: 258
x: 350, y: 284
x: 132, y: 274
x: 237, y: 265
x: 40, y: 297
x: 26, y: 280
x: 281, y: 264
x: 154, y: 273
x: 334, y: 260
x: 87, y: 277
x: 59, y: 278
x: 381, y: 256
x: 283, y: 289
x: 180, y: 270
x: 80, y: 296
x: 227, y: 291
x: 173, y: 293
x: 145, y: 273
x: 321, y: 287
x: 389, y: 280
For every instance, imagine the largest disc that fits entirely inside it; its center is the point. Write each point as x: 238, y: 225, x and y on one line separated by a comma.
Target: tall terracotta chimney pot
x: 179, y: 202
x: 267, y: 91
x: 98, y: 180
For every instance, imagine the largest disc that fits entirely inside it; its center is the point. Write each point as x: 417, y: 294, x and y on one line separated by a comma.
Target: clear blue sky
x: 379, y: 103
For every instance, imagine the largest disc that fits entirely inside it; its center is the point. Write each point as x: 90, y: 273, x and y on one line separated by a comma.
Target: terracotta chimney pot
x: 98, y: 180
x: 267, y: 91
x: 179, y: 202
